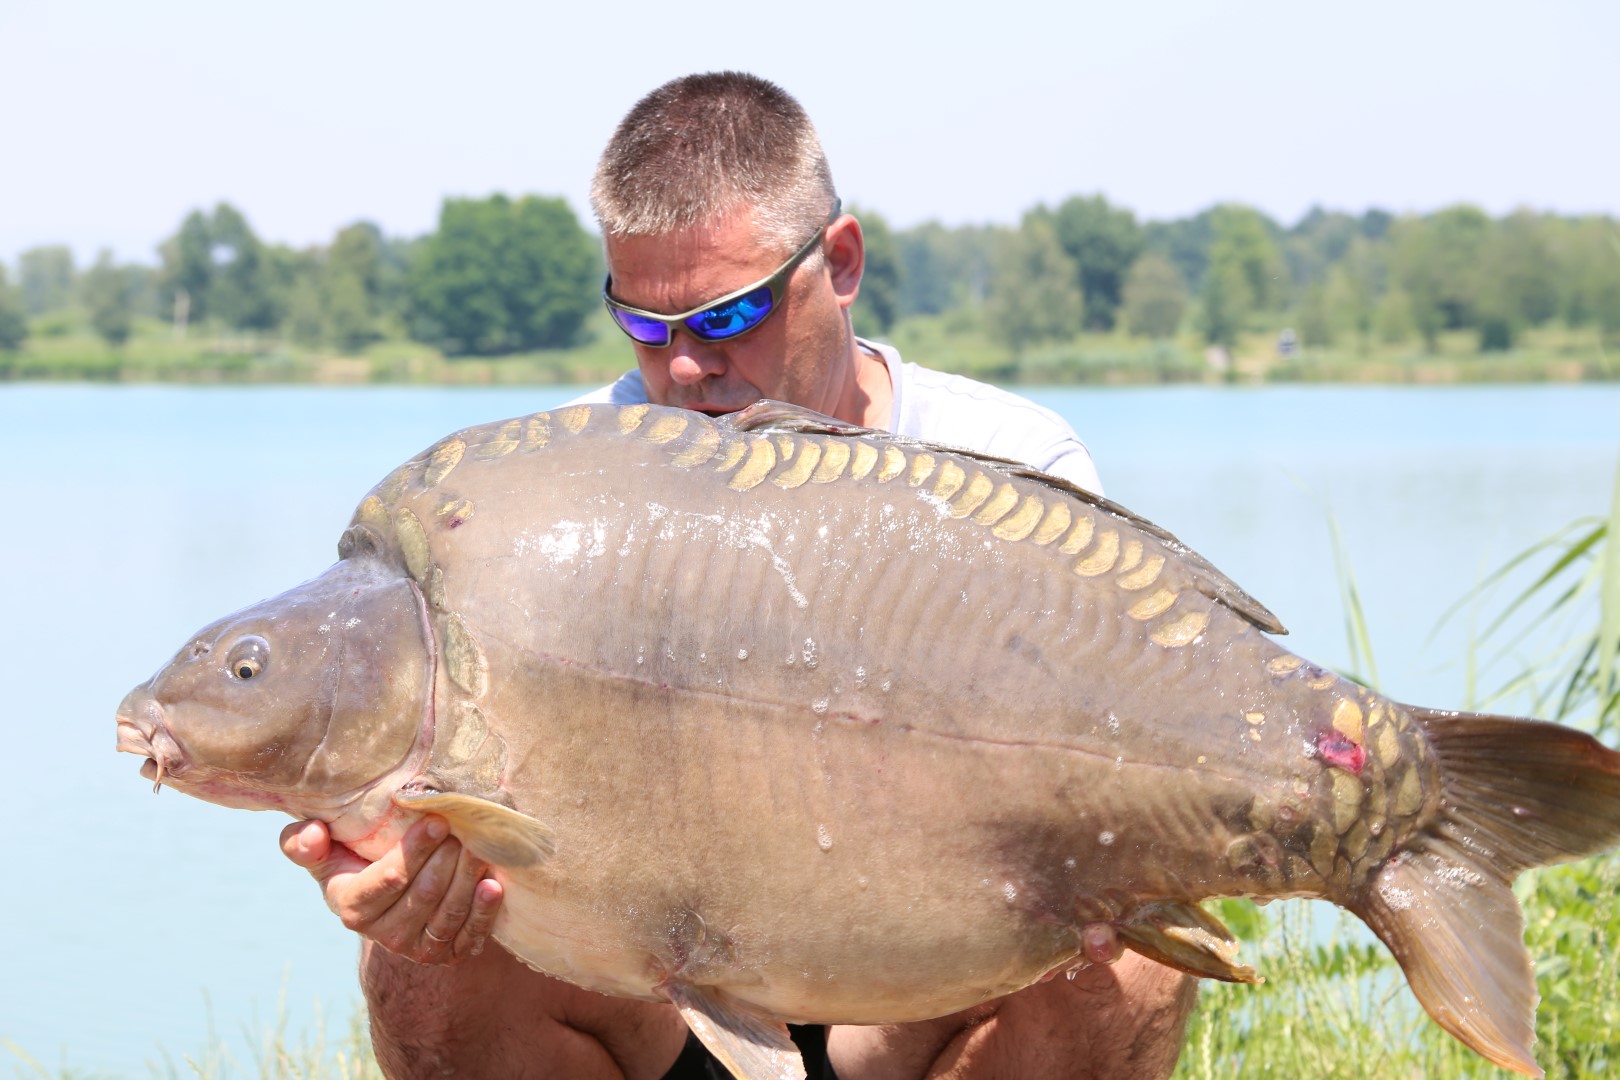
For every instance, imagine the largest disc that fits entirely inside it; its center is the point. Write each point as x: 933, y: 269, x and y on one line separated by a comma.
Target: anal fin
x: 749, y: 1045
x: 497, y: 834
x: 1457, y: 931
x: 1188, y: 938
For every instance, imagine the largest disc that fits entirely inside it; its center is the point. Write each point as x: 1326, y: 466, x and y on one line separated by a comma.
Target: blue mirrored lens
x: 731, y: 319
x: 646, y: 331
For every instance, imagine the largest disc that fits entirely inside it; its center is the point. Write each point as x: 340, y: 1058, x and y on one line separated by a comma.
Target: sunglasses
x: 732, y: 315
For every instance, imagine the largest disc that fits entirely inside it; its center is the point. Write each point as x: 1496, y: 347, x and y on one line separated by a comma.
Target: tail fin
x: 1516, y: 794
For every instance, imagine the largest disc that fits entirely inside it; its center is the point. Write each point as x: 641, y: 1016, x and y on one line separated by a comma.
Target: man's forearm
x: 490, y: 1015
x: 433, y: 1020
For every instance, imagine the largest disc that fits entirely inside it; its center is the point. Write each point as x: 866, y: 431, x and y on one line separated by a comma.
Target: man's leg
x: 1123, y: 1021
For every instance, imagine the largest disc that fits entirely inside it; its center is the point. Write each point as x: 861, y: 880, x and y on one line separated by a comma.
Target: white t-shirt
x: 950, y: 410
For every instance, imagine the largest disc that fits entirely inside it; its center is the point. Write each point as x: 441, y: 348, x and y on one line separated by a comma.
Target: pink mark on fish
x: 1337, y: 749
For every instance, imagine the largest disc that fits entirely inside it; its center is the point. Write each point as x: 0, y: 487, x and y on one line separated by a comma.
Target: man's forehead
x: 687, y: 266
x: 734, y: 229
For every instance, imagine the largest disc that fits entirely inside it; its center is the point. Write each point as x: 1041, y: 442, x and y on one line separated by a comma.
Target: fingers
x: 306, y: 842
x: 423, y: 899
x: 401, y: 886
x: 486, y: 901
x: 458, y: 926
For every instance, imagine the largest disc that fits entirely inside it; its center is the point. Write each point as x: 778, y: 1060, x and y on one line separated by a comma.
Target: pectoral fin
x: 1188, y: 938
x: 752, y: 1047
x: 497, y: 834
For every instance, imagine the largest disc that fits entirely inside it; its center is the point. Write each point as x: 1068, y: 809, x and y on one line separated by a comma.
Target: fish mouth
x: 142, y: 731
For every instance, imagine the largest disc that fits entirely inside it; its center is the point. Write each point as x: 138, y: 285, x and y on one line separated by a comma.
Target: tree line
x: 497, y: 276
x: 502, y: 275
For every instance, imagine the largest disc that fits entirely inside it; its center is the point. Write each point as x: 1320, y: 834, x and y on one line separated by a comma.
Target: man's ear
x: 846, y: 258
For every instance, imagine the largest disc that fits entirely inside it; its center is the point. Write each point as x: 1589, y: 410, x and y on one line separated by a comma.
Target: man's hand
x: 426, y: 899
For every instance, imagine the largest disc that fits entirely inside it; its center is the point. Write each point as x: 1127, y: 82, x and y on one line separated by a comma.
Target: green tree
x: 1244, y: 274
x: 1354, y: 285
x: 242, y: 294
x: 1324, y: 239
x: 188, y: 270
x: 1036, y: 293
x: 13, y: 316
x: 880, y: 282
x: 1376, y: 223
x: 106, y: 290
x: 500, y: 276
x: 303, y: 287
x: 1436, y: 260
x: 349, y: 322
x: 943, y: 269
x: 1589, y: 261
x: 1225, y: 302
x: 46, y: 276
x: 927, y: 276
x: 1394, y: 318
x: 354, y: 270
x: 144, y: 290
x: 1155, y: 297
x: 1185, y: 242
x: 1316, y: 323
x: 1518, y: 279
x: 215, y: 267
x: 1103, y: 240
x: 305, y: 318
x: 1245, y: 240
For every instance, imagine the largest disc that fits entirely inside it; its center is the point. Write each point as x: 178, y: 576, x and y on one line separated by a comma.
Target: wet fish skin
x: 689, y: 683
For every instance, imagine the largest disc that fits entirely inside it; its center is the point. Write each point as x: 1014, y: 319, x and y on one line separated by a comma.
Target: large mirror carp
x: 781, y: 720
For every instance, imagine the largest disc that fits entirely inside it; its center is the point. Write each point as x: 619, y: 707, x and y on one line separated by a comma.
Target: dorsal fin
x: 768, y: 415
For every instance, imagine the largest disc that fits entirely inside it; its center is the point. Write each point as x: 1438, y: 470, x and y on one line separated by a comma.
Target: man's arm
x: 424, y: 912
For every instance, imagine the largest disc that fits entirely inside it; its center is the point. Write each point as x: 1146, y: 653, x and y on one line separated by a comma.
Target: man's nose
x: 691, y: 360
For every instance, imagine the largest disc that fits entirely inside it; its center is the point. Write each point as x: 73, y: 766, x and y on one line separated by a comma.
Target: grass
x: 272, y: 1055
x: 1336, y: 1005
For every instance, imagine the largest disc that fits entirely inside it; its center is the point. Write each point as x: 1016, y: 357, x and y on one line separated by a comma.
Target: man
x: 732, y: 270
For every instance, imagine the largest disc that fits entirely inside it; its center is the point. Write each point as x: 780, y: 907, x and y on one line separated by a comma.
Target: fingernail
x: 478, y: 948
x: 437, y: 828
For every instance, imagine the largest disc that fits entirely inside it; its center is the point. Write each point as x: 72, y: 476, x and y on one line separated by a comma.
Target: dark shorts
x: 696, y: 1063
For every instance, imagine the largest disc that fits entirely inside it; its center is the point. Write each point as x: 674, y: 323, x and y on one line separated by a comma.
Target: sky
x: 120, y: 118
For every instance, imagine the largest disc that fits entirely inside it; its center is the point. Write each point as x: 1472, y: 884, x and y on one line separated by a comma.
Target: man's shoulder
x: 954, y: 410
x: 940, y: 394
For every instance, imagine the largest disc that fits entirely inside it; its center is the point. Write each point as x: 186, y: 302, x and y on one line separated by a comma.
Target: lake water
x: 133, y: 516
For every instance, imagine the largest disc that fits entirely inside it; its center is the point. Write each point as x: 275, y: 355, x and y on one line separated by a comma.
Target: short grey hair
x: 703, y: 147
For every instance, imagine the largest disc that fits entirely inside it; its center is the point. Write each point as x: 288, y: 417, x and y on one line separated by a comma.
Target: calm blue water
x: 132, y: 516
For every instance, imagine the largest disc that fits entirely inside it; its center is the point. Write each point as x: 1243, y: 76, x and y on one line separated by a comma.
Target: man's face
x: 802, y: 353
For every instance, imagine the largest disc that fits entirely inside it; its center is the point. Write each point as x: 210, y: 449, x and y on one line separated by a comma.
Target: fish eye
x: 248, y: 658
